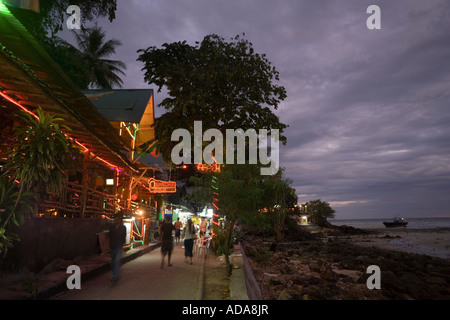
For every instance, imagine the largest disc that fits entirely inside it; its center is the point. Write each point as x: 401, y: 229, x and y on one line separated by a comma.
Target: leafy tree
x: 319, y: 211
x: 240, y: 197
x: 224, y: 84
x: 279, y: 197
x: 93, y: 51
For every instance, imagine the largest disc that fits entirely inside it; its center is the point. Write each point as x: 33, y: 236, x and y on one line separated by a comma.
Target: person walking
x: 202, y: 227
x: 167, y: 241
x: 177, y: 226
x: 188, y: 235
x: 117, y: 234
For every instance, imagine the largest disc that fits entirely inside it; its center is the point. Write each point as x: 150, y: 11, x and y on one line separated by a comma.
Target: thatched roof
x: 32, y: 78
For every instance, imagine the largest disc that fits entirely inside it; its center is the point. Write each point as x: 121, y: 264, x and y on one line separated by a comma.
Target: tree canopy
x: 94, y: 51
x: 319, y: 211
x: 224, y: 84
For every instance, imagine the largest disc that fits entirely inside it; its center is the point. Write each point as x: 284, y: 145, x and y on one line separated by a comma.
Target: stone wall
x: 253, y: 291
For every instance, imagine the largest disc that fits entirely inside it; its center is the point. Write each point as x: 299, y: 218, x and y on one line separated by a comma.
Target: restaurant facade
x: 106, y: 127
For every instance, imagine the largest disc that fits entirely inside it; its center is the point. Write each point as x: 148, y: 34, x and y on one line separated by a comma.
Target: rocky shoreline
x: 328, y: 264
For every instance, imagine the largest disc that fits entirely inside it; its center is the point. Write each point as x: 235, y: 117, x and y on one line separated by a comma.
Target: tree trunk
x: 279, y: 226
x: 228, y: 241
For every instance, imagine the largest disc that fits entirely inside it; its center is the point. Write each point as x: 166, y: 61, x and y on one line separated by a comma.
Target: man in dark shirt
x: 167, y: 241
x: 117, y: 234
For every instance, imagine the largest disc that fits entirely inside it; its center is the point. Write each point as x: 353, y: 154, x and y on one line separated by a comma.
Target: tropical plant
x: 43, y: 153
x: 10, y: 217
x: 41, y: 157
x: 70, y: 60
x: 103, y: 73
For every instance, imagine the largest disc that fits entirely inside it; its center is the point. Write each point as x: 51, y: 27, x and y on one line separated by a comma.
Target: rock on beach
x: 330, y: 265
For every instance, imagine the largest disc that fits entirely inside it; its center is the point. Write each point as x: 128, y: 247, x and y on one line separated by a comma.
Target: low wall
x: 45, y: 239
x: 253, y: 291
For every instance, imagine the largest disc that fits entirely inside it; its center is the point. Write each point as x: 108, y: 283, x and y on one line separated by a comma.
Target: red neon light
x: 18, y: 104
x: 103, y: 160
x: 215, y: 206
x: 34, y: 115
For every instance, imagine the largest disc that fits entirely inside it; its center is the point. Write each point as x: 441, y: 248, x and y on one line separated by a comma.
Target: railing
x: 76, y: 201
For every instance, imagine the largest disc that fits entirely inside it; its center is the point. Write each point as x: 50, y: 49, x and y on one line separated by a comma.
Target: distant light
x: 109, y: 182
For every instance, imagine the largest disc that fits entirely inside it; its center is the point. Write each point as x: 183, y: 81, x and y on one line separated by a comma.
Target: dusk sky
x: 368, y: 110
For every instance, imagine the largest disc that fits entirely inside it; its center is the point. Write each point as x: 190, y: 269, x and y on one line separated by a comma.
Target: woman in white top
x: 188, y: 235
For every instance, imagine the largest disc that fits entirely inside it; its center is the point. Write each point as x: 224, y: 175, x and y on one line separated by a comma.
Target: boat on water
x: 395, y: 223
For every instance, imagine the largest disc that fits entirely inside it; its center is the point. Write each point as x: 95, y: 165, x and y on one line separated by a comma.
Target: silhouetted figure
x: 167, y: 241
x: 117, y: 234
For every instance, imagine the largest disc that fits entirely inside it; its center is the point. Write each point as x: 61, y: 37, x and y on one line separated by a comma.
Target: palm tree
x: 103, y: 73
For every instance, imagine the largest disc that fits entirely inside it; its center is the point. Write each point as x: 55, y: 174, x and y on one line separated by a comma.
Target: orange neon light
x: 202, y: 167
x: 158, y: 186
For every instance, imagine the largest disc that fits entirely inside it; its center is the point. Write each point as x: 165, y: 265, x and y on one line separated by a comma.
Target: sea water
x: 413, y: 223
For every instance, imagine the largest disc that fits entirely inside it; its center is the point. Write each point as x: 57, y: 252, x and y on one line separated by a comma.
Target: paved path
x: 143, y: 278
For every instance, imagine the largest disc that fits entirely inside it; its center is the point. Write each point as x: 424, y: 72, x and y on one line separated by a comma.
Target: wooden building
x: 131, y: 113
x: 30, y: 78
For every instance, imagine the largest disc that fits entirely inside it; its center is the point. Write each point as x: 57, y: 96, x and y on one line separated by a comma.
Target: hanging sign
x: 158, y: 186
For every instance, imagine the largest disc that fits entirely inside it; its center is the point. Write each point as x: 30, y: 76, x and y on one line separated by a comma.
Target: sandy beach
x: 432, y: 242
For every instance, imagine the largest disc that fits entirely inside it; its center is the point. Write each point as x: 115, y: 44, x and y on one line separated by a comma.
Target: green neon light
x: 136, y: 130
x: 4, y: 8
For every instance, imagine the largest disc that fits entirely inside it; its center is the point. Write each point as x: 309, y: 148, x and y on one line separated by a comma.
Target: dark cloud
x: 368, y: 110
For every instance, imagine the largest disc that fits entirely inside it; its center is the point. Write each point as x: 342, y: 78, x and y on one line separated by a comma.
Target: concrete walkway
x: 51, y: 283
x: 141, y: 278
x: 144, y: 279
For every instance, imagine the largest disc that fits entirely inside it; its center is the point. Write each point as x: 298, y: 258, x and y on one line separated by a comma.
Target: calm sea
x: 413, y: 223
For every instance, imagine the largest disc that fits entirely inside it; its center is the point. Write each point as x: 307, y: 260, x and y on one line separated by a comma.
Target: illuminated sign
x: 202, y: 167
x: 158, y: 186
